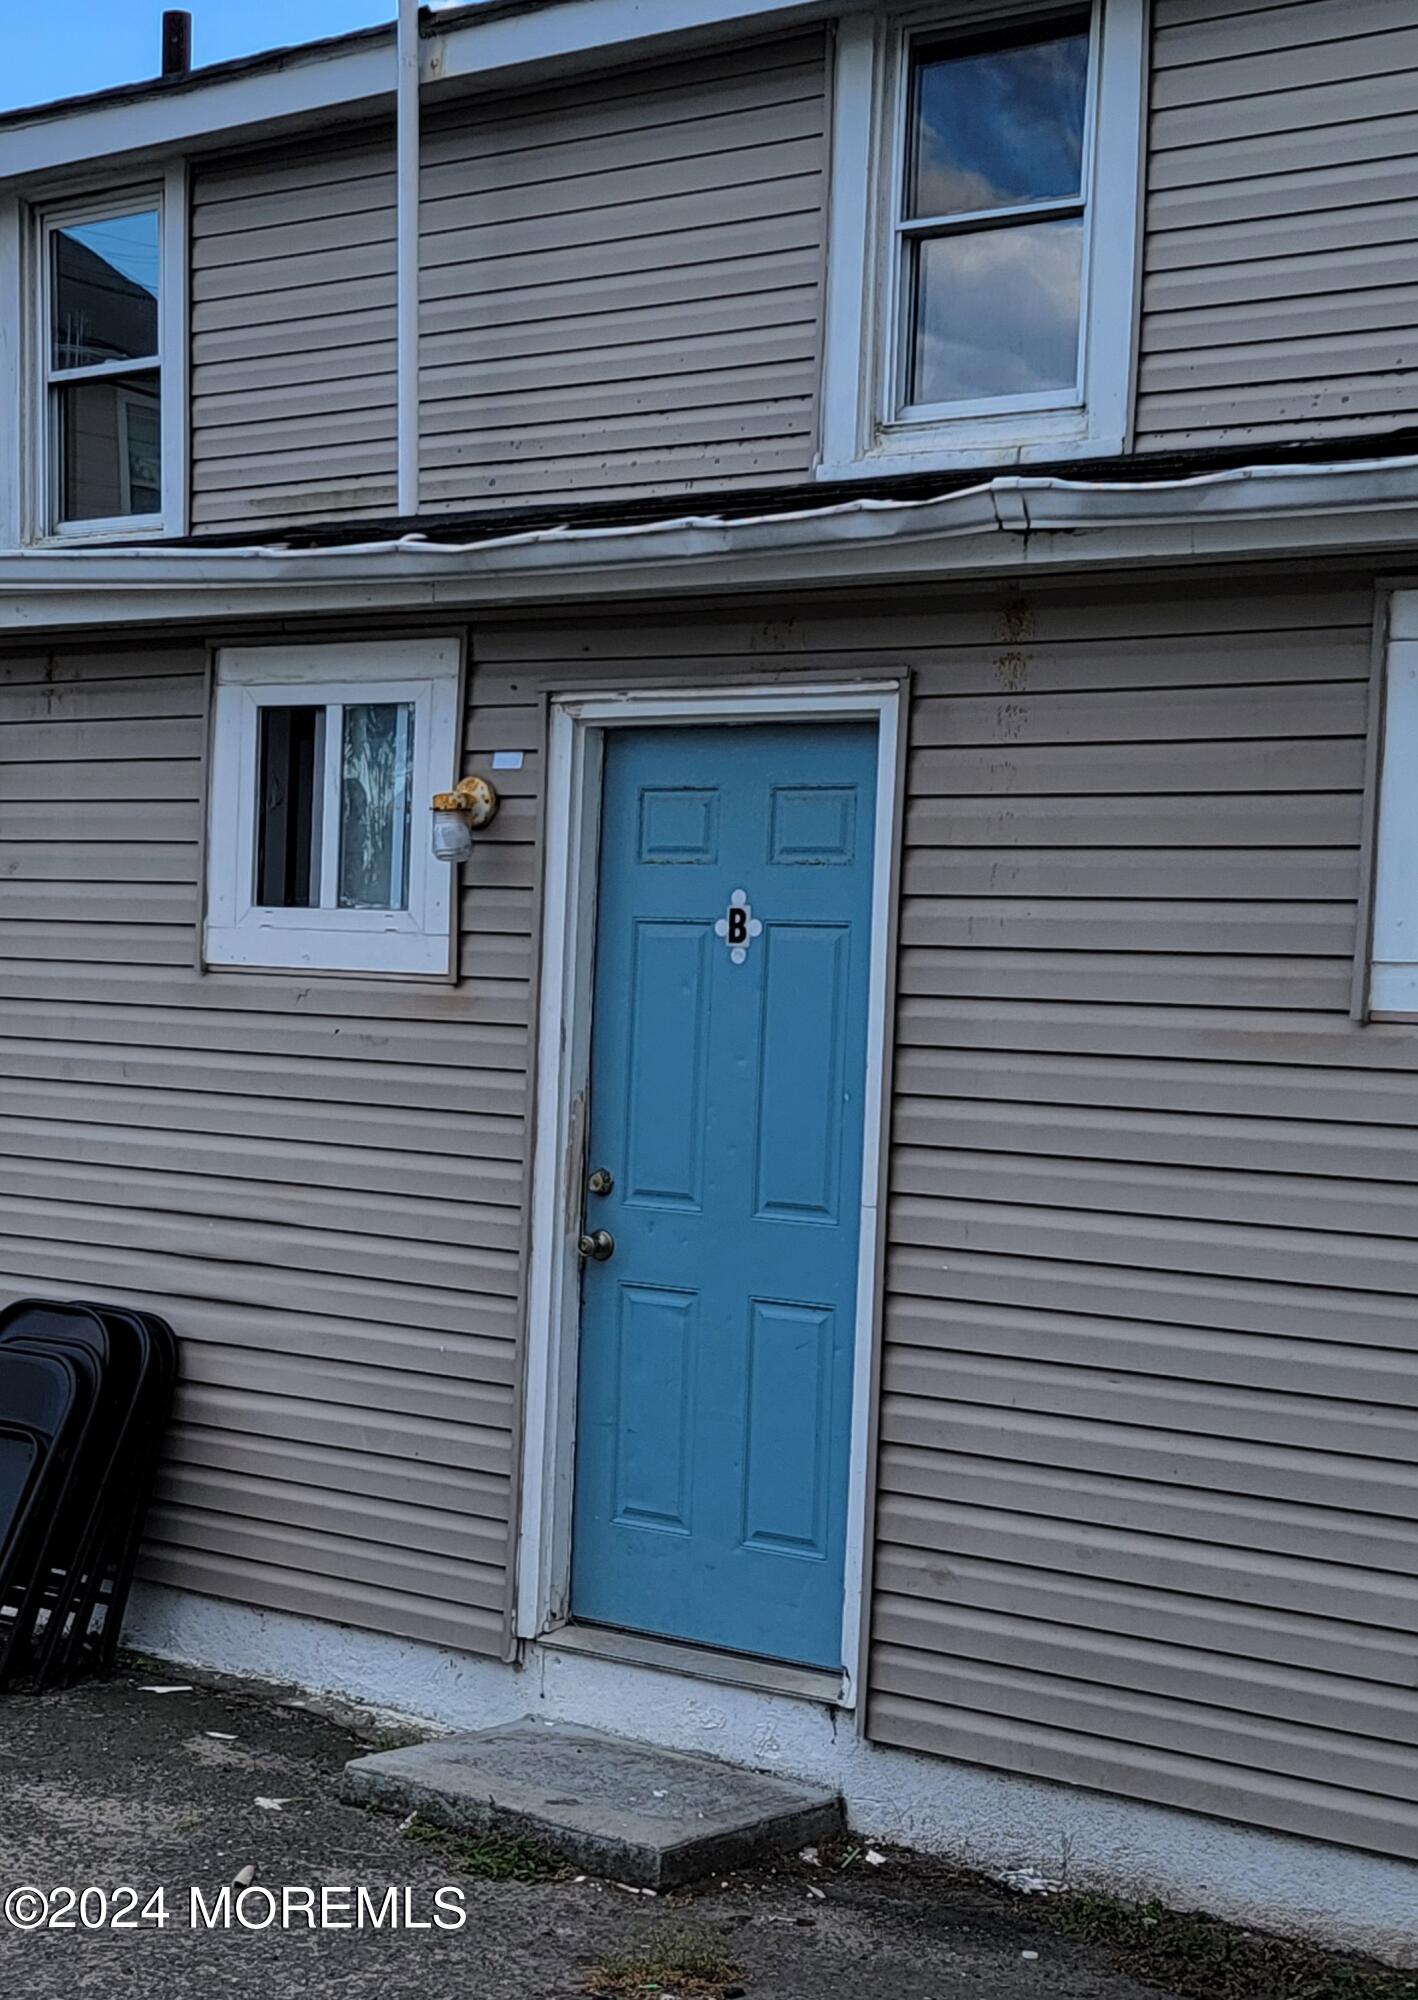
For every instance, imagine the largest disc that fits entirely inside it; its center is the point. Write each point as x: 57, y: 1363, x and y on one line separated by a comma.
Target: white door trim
x: 575, y: 736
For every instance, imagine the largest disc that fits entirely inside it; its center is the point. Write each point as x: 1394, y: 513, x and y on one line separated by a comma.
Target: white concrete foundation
x: 983, y: 1819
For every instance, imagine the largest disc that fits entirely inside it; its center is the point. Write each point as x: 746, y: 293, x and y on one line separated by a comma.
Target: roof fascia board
x: 1010, y: 525
x: 347, y: 83
x: 607, y: 29
x: 340, y: 84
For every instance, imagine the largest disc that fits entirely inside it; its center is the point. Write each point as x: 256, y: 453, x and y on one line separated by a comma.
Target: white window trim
x: 13, y: 402
x: 38, y: 522
x: 242, y: 935
x: 1393, y: 970
x: 862, y: 431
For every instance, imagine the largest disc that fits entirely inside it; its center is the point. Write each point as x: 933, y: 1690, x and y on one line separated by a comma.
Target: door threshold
x: 700, y: 1663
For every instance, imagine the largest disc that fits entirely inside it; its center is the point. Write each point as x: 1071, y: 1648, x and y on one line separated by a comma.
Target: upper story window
x: 985, y: 176
x: 108, y: 441
x: 994, y: 195
x: 105, y: 369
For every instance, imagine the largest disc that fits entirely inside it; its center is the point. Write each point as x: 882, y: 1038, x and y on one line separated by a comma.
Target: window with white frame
x: 986, y: 165
x: 993, y: 192
x: 323, y: 761
x: 1393, y: 974
x: 108, y: 440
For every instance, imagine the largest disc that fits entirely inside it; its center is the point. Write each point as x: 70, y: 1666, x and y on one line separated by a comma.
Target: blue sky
x: 49, y: 50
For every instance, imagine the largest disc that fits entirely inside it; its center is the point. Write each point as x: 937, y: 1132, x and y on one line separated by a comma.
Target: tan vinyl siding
x: 1279, y: 294
x: 1147, y: 1519
x: 621, y: 293
x: 293, y: 385
x: 318, y: 1181
x: 622, y: 281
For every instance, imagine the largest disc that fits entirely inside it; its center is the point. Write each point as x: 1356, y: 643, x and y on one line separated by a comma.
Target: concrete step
x: 653, y: 1818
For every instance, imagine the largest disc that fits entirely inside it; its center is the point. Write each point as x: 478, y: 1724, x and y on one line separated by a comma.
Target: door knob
x: 598, y: 1244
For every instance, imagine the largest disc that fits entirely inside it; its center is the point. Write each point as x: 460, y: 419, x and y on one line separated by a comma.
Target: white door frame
x: 572, y: 824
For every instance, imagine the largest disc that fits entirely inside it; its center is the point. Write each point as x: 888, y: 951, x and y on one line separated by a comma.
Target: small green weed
x: 1191, y: 1956
x: 492, y: 1857
x: 680, y: 1962
x: 1203, y: 1958
x: 397, y: 1739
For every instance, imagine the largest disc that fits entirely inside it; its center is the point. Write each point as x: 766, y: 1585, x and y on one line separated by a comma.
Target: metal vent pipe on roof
x: 176, y: 42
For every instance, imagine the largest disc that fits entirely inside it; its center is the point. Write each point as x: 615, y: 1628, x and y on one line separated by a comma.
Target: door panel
x: 727, y: 1065
x: 654, y: 1446
x: 667, y: 1086
x: 798, y: 1154
x: 788, y: 1460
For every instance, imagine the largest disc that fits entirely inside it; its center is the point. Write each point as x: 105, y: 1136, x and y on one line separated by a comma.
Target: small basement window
x: 324, y: 759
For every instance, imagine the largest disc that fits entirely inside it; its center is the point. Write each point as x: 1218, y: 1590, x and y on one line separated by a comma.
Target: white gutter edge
x: 1012, y: 502
x: 1013, y: 521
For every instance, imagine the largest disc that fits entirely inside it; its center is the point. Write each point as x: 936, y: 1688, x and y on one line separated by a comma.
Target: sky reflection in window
x: 997, y: 312
x: 998, y: 126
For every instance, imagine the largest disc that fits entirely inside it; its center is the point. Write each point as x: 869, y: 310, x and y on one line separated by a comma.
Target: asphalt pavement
x: 127, y: 1793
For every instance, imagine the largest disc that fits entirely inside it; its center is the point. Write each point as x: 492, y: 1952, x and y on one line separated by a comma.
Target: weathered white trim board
x: 1345, y: 1898
x: 329, y: 78
x: 12, y: 392
x: 346, y: 75
x: 1393, y: 975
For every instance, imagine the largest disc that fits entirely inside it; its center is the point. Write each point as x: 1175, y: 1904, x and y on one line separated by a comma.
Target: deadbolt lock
x: 601, y: 1181
x: 597, y: 1244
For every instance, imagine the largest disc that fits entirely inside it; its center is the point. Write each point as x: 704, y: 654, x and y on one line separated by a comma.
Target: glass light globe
x: 452, y: 837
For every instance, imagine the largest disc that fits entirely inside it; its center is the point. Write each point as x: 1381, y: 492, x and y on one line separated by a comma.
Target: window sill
x: 106, y: 534
x: 361, y: 954
x: 217, y: 973
x: 964, y: 452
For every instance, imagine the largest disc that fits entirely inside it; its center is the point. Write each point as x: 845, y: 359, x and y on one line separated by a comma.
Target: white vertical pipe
x: 407, y: 236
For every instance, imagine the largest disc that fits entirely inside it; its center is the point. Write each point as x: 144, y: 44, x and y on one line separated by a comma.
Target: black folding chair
x: 161, y: 1388
x: 44, y: 1408
x: 98, y: 1509
x: 20, y: 1454
x: 146, y: 1352
x: 79, y: 1473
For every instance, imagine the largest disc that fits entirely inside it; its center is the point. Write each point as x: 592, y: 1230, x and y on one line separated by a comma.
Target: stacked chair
x: 85, y: 1392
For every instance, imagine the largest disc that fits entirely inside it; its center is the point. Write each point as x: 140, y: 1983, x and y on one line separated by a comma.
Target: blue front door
x: 727, y: 1064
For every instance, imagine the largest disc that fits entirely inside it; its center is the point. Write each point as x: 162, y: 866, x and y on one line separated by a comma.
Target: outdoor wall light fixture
x: 457, y: 815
